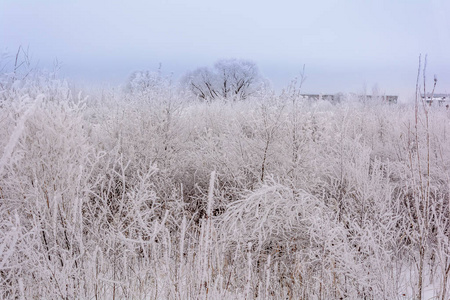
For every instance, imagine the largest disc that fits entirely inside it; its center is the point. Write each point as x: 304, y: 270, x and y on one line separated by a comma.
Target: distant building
x: 388, y: 99
x: 437, y: 99
x: 337, y: 98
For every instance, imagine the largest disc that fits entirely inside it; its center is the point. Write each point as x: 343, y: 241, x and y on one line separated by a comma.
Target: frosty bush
x: 19, y: 78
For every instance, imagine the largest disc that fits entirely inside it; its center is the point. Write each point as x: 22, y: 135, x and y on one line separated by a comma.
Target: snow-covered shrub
x: 19, y: 78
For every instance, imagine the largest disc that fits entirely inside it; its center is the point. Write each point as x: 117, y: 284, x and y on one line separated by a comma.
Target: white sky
x: 345, y: 45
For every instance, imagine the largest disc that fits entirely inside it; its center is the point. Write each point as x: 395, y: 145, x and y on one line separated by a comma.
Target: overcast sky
x: 346, y: 45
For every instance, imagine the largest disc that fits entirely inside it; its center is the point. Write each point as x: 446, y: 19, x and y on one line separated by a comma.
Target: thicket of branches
x: 143, y: 195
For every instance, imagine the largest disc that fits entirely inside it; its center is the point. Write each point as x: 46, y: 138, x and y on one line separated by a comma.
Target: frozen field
x: 157, y: 196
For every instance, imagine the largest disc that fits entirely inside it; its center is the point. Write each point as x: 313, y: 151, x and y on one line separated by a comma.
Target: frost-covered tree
x: 145, y: 86
x: 142, y: 81
x: 235, y: 79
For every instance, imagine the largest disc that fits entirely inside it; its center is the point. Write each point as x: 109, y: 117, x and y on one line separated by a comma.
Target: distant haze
x: 347, y: 46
